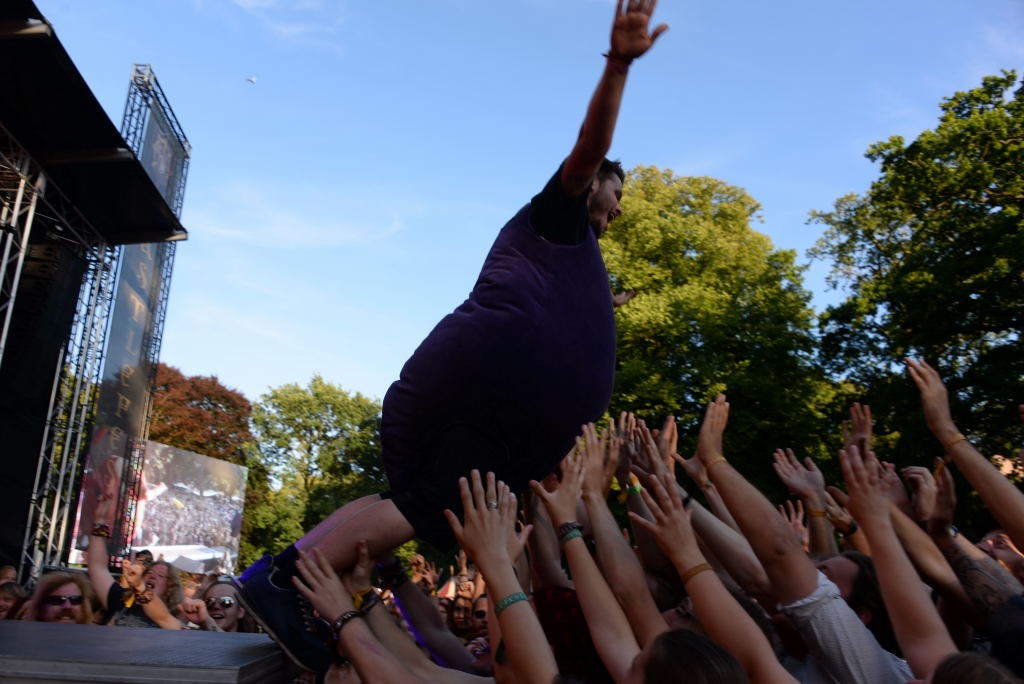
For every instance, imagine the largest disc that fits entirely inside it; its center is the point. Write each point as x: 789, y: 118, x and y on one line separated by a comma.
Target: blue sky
x: 342, y: 204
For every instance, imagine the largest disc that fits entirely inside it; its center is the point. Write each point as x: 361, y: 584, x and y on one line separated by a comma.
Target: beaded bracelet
x: 343, y: 620
x: 508, y: 601
x: 100, y: 530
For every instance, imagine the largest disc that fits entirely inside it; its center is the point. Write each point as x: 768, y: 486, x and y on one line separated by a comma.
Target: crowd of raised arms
x: 867, y: 581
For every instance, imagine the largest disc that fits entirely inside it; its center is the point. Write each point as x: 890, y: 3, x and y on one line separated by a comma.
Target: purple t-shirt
x: 506, y: 380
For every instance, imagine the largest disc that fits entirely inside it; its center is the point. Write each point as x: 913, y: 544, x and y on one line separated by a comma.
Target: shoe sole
x: 255, y: 613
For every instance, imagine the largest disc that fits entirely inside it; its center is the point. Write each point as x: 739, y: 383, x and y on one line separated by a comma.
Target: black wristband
x: 343, y: 620
x: 372, y: 599
x: 566, y: 528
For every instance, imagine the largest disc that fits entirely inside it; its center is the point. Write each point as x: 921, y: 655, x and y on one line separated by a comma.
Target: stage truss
x: 59, y: 473
x: 29, y: 203
x: 144, y: 94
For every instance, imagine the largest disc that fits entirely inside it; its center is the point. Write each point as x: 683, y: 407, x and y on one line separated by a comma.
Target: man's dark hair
x: 609, y: 168
x: 867, y: 596
x: 702, y: 660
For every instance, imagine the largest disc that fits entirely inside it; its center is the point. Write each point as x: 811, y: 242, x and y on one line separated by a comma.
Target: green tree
x: 932, y: 262
x: 718, y: 310
x: 321, y: 444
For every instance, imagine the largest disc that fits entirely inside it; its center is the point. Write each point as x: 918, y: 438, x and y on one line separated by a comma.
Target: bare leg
x: 376, y: 520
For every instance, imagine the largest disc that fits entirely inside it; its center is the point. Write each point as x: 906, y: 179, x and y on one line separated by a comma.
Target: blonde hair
x: 174, y: 595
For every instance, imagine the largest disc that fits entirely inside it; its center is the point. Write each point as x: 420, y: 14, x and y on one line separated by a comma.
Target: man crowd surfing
x: 488, y: 441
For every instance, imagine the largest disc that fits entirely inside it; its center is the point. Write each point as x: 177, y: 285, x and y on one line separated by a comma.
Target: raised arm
x: 609, y: 628
x: 545, y: 556
x: 386, y: 629
x: 630, y: 39
x: 791, y: 573
x: 986, y: 583
x: 420, y: 611
x: 618, y: 563
x: 843, y: 522
x: 1001, y: 496
x: 917, y: 625
x: 488, y: 534
x: 806, y: 481
x: 319, y: 583
x: 720, y: 615
x: 99, y: 555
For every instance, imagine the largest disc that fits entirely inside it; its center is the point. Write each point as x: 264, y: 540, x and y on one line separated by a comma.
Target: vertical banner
x: 123, y: 392
x: 113, y: 464
x: 163, y: 156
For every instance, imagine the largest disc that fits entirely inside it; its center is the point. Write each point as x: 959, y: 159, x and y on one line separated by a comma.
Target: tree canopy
x: 321, y: 443
x: 932, y: 261
x: 200, y: 414
x: 718, y: 309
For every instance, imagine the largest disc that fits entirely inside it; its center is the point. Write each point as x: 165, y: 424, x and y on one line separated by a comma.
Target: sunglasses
x: 480, y: 614
x: 223, y: 601
x: 59, y: 599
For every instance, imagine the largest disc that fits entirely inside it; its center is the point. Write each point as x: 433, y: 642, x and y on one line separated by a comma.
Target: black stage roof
x: 49, y: 109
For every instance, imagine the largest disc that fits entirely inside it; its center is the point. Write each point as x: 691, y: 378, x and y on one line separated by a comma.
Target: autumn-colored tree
x: 200, y: 414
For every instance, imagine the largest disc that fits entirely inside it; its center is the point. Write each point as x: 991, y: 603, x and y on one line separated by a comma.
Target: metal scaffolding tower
x: 144, y: 96
x: 28, y: 201
x: 21, y: 183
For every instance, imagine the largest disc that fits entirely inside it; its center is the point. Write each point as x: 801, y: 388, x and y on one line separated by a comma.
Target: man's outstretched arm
x: 630, y: 39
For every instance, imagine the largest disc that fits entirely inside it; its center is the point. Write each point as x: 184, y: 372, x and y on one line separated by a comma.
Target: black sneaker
x: 284, y: 613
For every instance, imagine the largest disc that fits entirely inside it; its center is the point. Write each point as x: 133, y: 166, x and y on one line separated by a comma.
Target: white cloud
x: 307, y: 20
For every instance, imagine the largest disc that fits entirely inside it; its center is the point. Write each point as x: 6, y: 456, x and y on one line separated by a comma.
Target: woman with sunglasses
x: 62, y: 597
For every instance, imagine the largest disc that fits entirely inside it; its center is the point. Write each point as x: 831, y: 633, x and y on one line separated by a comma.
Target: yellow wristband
x: 357, y: 600
x: 693, y: 572
x: 953, y: 441
x: 815, y: 513
x: 715, y: 461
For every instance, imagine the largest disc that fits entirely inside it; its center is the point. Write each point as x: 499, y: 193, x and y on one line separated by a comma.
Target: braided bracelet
x: 565, y: 529
x: 504, y: 603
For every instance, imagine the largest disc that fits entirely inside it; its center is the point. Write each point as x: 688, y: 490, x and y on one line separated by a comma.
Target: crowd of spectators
x: 179, y: 516
x: 866, y: 580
